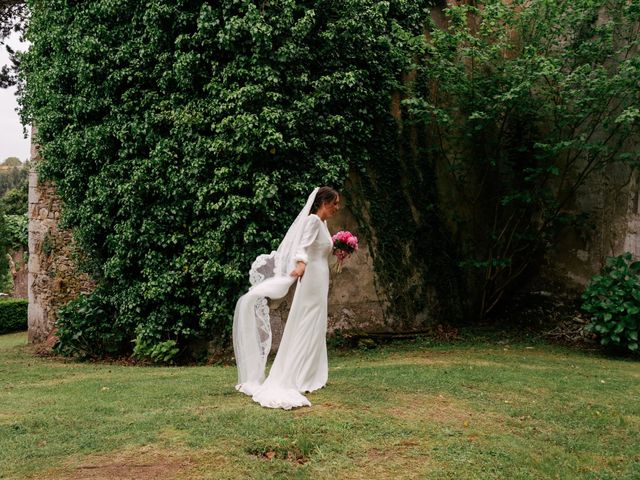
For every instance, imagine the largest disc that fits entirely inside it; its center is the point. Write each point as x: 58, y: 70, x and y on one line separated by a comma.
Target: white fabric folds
x: 301, y: 363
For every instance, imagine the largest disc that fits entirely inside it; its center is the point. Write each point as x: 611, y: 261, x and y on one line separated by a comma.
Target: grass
x: 479, y: 410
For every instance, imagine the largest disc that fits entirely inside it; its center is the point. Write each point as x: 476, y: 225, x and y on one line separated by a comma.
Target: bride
x: 301, y: 362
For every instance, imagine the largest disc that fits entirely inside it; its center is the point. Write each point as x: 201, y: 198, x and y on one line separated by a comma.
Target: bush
x: 613, y: 301
x: 16, y: 200
x: 13, y: 315
x: 86, y: 327
x: 17, y: 231
x: 516, y: 87
x: 163, y: 352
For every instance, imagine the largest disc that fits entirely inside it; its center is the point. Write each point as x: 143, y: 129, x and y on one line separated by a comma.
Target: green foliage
x: 183, y: 136
x: 15, y: 177
x: 11, y: 162
x: 5, y: 243
x: 521, y: 103
x: 13, y: 236
x: 6, y: 280
x: 17, y: 231
x: 163, y: 352
x: 612, y: 299
x: 13, y: 215
x: 87, y: 327
x: 16, y: 200
x: 13, y: 315
x: 13, y: 15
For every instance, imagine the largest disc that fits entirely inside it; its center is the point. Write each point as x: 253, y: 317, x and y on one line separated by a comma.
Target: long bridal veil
x: 269, y: 278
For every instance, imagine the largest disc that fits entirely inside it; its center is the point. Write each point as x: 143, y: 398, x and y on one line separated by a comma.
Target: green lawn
x: 414, y: 410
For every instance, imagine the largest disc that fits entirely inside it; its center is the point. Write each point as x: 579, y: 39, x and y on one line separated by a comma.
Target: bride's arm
x: 311, y: 228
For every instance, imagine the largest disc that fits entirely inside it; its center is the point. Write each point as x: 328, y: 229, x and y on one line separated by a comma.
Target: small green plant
x: 162, y: 352
x: 13, y: 315
x: 613, y: 301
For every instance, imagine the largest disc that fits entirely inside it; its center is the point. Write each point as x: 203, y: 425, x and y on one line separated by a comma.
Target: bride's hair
x: 324, y: 195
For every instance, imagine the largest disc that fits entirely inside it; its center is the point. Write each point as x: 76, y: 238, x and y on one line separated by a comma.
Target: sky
x: 12, y: 141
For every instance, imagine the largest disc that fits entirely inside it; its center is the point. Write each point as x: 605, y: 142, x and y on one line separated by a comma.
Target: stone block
x: 35, y: 263
x: 35, y: 320
x: 33, y: 194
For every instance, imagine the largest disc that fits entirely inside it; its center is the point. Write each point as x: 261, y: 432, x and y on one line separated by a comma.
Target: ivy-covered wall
x: 54, y: 277
x: 183, y: 136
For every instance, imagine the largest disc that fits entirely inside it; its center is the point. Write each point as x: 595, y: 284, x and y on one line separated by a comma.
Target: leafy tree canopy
x: 13, y: 14
x: 524, y: 103
x: 12, y: 162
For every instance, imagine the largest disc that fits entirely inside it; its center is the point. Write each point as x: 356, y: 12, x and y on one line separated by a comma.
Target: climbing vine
x: 182, y: 137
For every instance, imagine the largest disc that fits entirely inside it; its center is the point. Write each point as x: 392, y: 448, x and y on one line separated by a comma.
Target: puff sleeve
x: 311, y: 229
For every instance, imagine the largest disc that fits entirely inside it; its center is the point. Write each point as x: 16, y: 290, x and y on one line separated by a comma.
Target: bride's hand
x: 298, y: 272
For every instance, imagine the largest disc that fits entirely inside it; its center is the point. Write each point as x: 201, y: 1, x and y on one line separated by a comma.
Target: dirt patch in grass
x: 291, y: 454
x: 632, y: 371
x: 468, y: 360
x: 421, y: 358
x: 458, y: 418
x: 143, y: 464
x: 221, y: 403
x: 405, y: 460
x: 442, y: 409
x: 435, y: 358
x: 320, y: 408
x: 9, y: 417
x: 297, y: 452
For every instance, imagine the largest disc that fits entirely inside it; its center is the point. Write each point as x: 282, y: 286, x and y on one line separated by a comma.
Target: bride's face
x: 332, y: 207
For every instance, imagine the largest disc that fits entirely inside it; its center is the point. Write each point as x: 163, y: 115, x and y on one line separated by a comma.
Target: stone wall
x: 611, y: 200
x: 53, y: 277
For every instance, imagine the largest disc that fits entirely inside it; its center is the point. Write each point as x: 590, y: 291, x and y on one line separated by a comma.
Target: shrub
x: 17, y: 231
x: 87, y: 327
x: 613, y: 301
x: 16, y: 200
x: 13, y: 315
x: 163, y: 352
x: 515, y: 99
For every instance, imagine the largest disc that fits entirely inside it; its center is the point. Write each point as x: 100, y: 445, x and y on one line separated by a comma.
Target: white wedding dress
x: 301, y: 362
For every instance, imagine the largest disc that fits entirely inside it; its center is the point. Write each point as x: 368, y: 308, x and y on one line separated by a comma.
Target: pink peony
x: 344, y: 244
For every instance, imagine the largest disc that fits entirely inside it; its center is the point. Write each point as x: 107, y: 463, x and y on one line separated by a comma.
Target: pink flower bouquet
x: 344, y: 244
